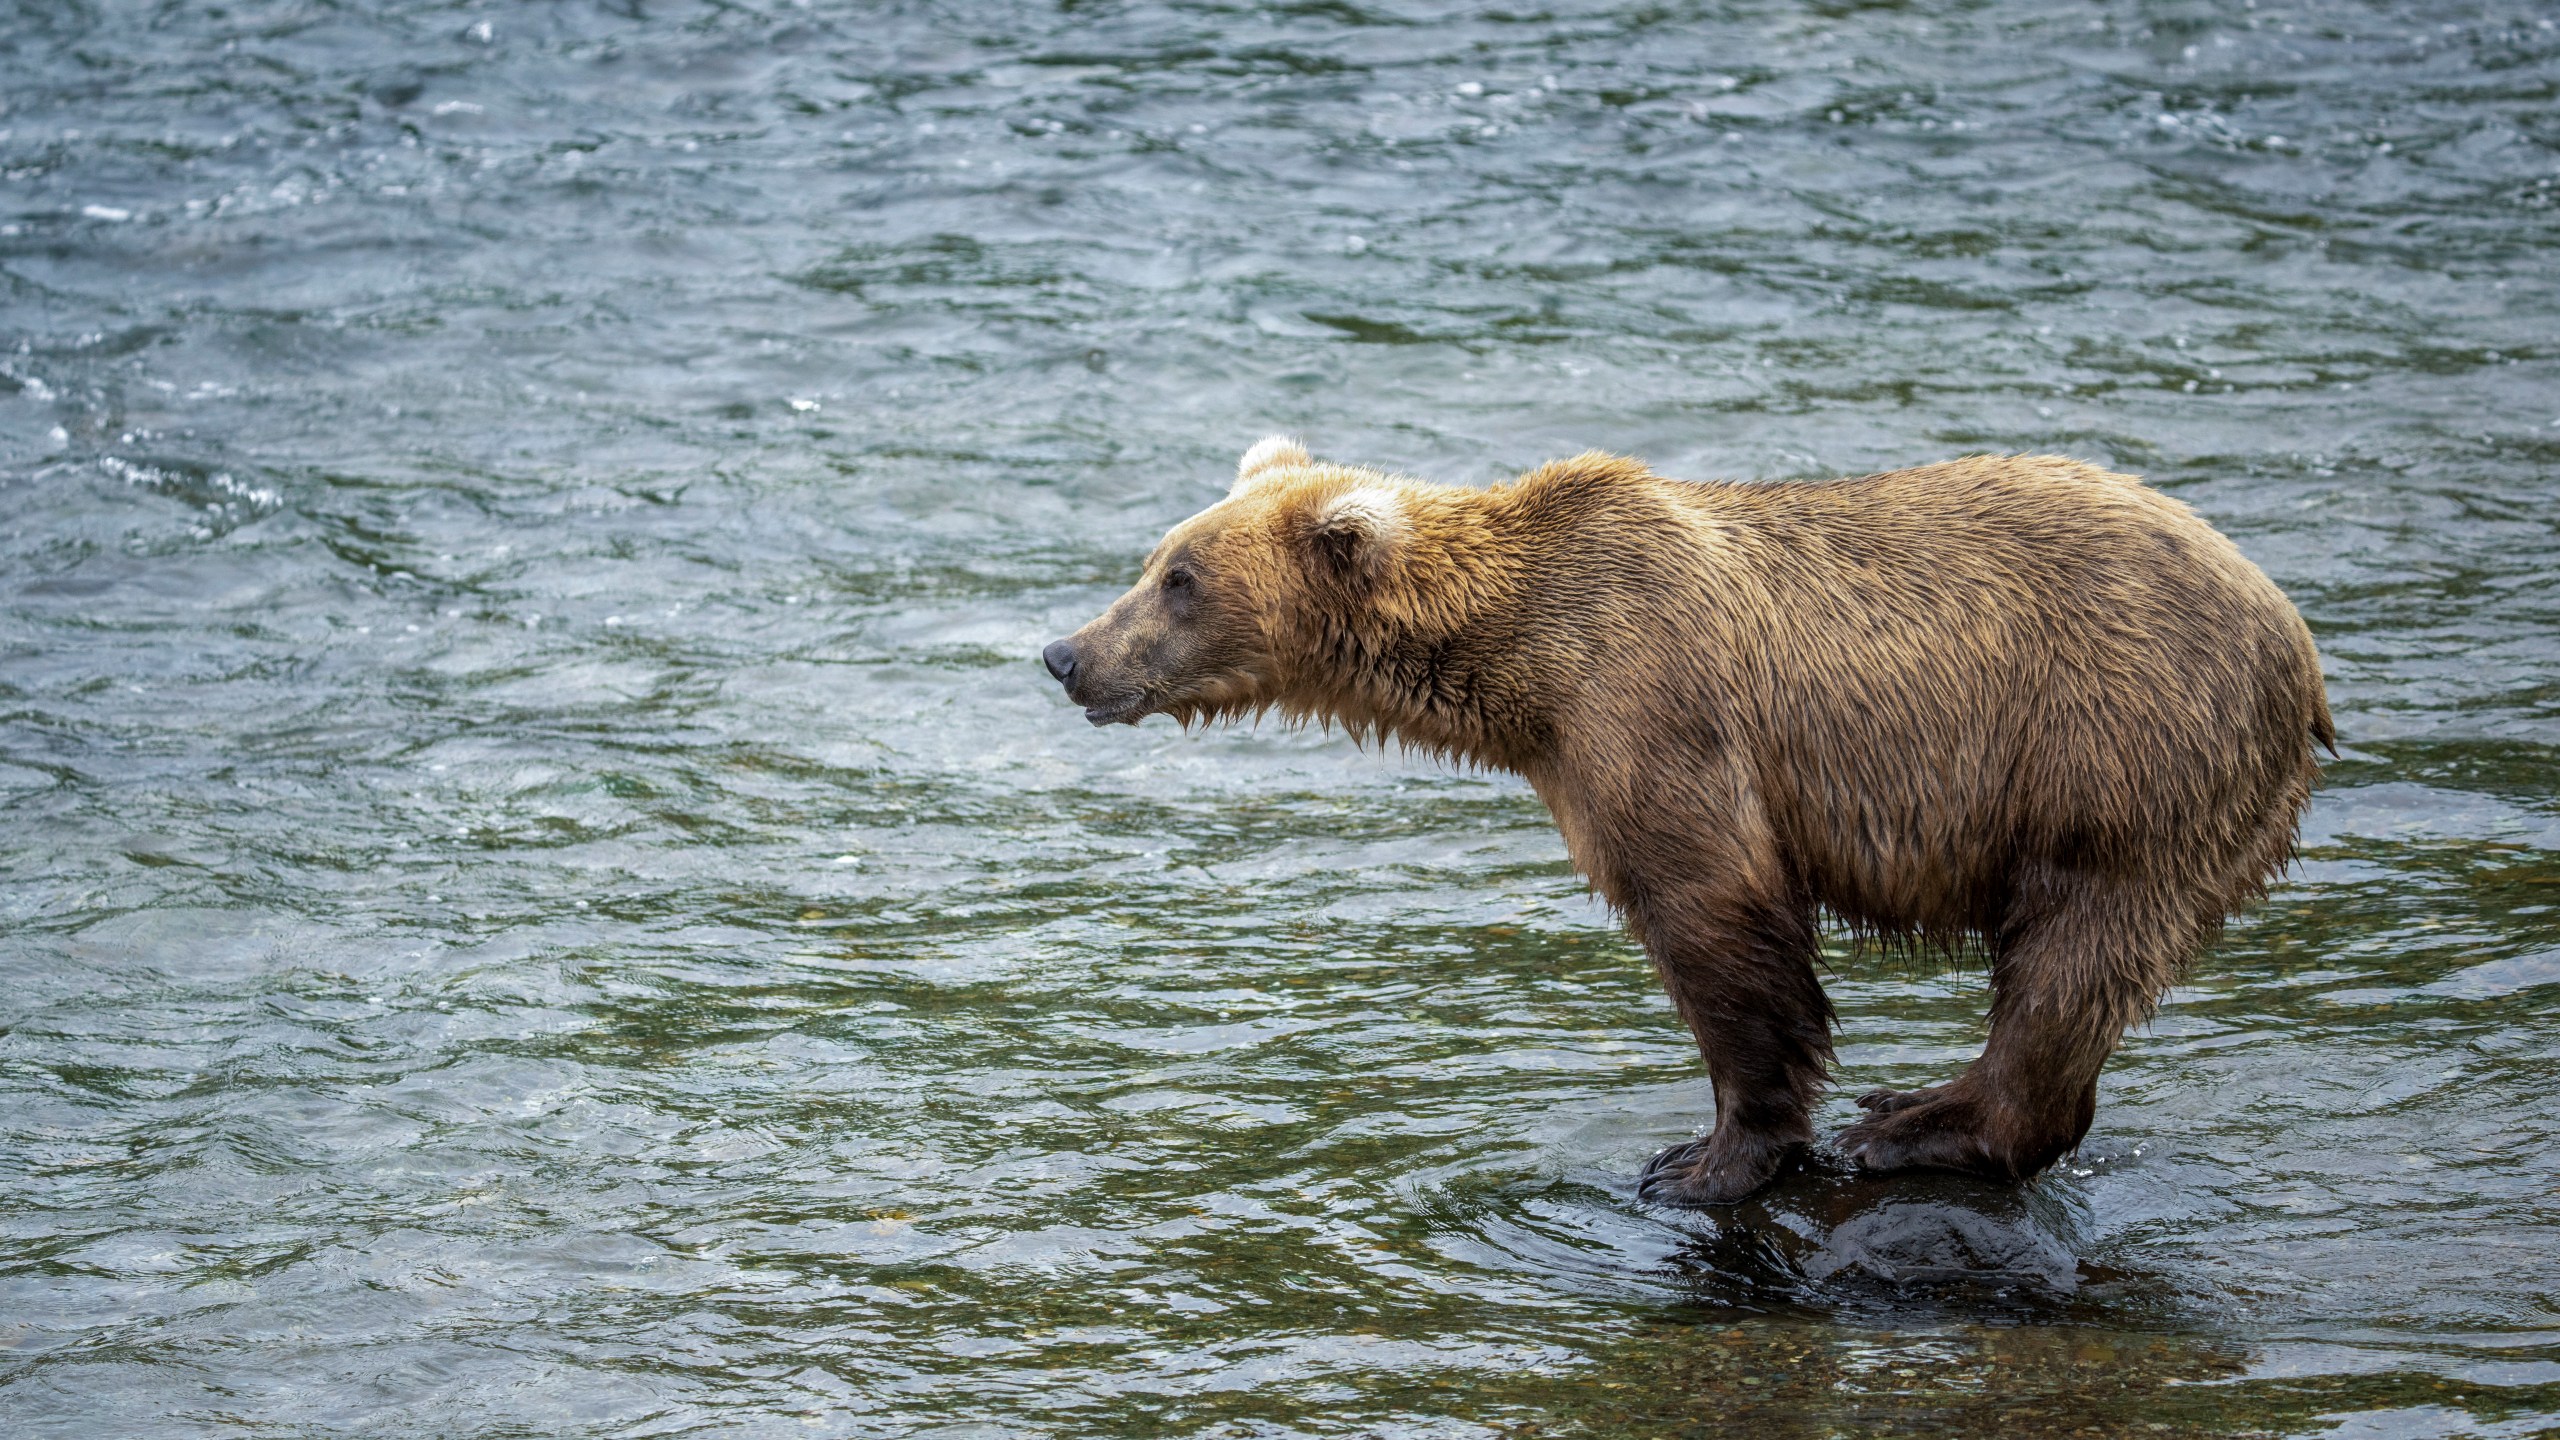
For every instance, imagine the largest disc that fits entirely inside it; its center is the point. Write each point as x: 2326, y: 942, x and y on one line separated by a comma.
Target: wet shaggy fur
x: 2013, y: 702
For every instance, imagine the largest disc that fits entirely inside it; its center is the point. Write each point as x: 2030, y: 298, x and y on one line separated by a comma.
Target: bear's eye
x: 1177, y: 579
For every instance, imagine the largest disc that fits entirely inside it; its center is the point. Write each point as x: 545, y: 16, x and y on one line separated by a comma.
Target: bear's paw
x: 1719, y: 1169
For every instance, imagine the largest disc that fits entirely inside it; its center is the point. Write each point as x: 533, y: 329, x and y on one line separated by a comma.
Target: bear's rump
x: 1912, y: 790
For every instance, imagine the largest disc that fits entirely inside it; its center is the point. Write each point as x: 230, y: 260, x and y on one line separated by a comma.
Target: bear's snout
x: 1107, y: 696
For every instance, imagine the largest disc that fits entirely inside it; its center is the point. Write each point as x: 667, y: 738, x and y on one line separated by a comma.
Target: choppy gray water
x: 546, y: 893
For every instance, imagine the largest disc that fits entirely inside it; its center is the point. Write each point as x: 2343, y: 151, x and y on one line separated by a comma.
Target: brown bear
x: 2013, y: 702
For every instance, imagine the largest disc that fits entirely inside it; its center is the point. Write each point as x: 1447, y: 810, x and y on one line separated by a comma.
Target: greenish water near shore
x: 543, y: 890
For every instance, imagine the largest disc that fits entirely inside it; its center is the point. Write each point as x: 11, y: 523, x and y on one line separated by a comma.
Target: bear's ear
x: 1271, y: 452
x: 1353, y: 535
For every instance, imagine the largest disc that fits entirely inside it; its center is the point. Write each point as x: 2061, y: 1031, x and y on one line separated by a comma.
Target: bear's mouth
x: 1125, y: 710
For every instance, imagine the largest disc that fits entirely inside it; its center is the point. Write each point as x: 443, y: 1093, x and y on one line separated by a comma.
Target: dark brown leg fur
x: 1741, y: 974
x: 2083, y: 957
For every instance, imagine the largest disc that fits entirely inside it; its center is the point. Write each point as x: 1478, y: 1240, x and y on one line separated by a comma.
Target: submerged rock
x: 1828, y: 1231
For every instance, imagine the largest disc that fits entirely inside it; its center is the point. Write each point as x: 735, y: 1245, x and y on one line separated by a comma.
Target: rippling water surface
x: 546, y: 893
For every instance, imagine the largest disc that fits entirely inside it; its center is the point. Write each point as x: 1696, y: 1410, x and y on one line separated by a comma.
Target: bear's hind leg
x: 2082, y: 958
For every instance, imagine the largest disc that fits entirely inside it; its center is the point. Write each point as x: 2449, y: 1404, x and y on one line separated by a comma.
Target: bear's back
x: 1968, y: 658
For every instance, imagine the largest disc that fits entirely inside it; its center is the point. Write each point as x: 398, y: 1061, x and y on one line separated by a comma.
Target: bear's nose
x: 1060, y: 657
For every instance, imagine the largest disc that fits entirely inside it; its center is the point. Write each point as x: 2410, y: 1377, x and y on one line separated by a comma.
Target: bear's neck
x: 1430, y: 654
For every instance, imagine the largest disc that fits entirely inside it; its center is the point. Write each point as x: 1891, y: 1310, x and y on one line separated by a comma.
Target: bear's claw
x: 1885, y: 1102
x: 1933, y: 1129
x: 1715, y: 1170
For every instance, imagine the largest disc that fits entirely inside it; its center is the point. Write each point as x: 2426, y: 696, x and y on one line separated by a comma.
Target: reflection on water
x: 546, y: 892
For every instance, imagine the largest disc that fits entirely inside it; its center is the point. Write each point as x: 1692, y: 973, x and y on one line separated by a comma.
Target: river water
x: 545, y: 891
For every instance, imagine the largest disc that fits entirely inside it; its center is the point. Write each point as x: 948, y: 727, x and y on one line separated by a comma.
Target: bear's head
x: 1237, y: 604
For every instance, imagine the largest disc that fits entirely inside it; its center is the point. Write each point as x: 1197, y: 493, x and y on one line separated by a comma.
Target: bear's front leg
x: 1739, y: 968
